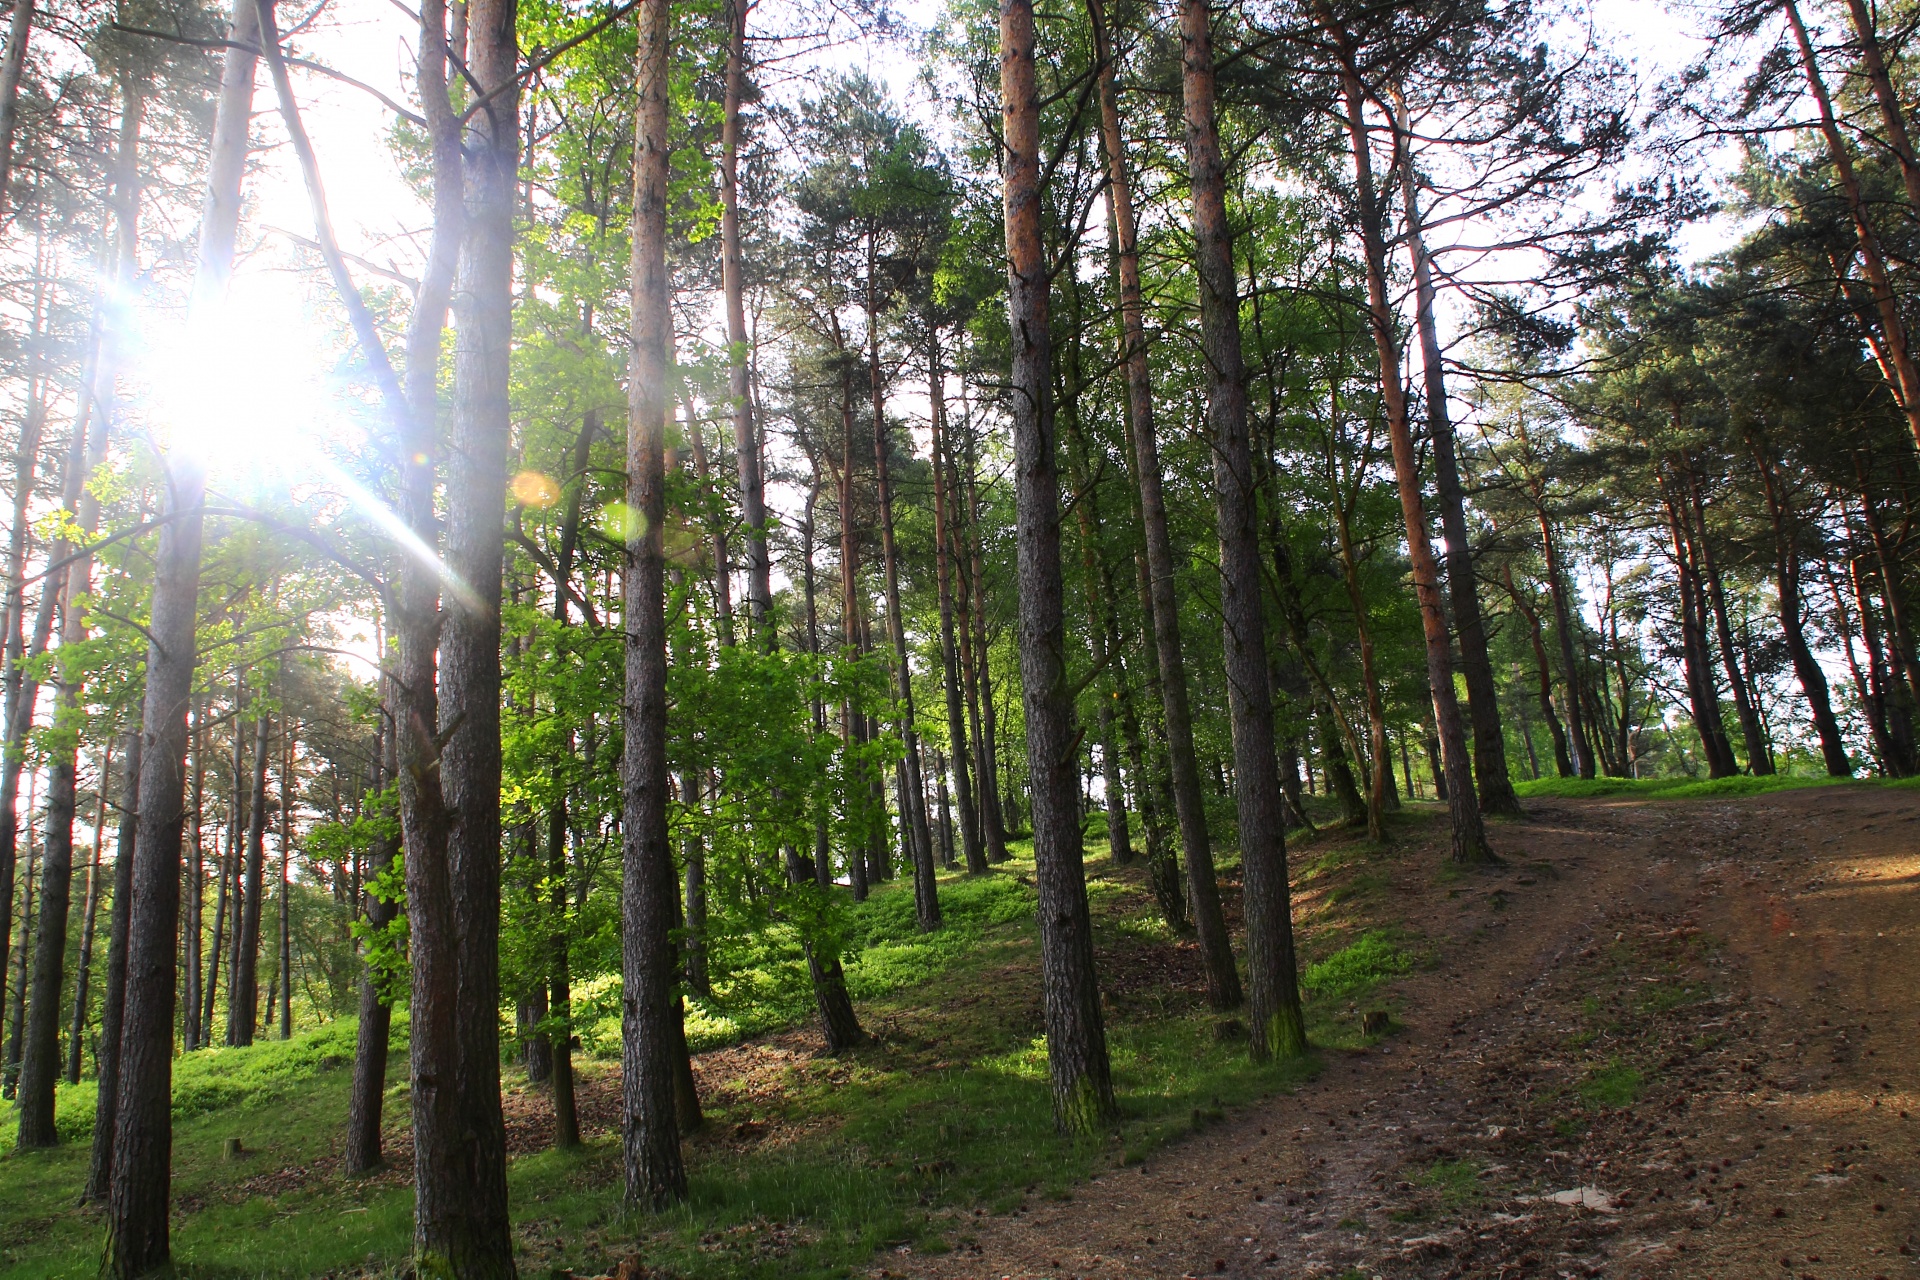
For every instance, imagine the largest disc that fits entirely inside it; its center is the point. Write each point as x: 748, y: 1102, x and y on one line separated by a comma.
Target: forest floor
x: 1667, y: 1038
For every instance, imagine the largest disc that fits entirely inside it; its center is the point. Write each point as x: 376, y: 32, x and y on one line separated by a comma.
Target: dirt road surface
x: 1667, y: 1039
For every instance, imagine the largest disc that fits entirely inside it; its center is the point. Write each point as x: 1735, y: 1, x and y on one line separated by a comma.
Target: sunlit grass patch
x: 1360, y: 966
x: 1617, y: 1084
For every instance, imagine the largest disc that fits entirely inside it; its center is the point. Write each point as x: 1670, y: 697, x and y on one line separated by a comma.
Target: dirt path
x: 1668, y: 1040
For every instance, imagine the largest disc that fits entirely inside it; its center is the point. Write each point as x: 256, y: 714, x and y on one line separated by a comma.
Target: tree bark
x: 913, y: 791
x: 566, y: 1118
x: 1806, y: 668
x: 40, y: 1060
x: 17, y: 983
x: 440, y: 1204
x: 477, y: 1239
x: 83, y: 973
x: 193, y: 1032
x: 976, y: 658
x: 1346, y: 495
x: 12, y: 65
x: 1557, y: 593
x: 1759, y: 750
x: 243, y: 1003
x: 1100, y: 632
x: 288, y: 787
x: 366, y: 1099
x: 1695, y: 658
x: 1905, y: 383
x: 1083, y: 1100
x: 113, y: 997
x: 1223, y: 978
x: 971, y: 843
x: 137, y: 1232
x: 655, y: 1173
x: 1468, y: 834
x: 1892, y: 115
x: 19, y: 692
x: 1563, y: 762
x: 1483, y: 702
x: 746, y: 442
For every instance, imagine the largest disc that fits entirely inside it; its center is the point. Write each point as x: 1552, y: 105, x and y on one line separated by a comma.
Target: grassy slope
x: 1692, y: 788
x: 806, y: 1166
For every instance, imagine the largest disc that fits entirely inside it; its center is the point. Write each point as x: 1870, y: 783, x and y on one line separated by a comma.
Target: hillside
x: 1618, y: 1009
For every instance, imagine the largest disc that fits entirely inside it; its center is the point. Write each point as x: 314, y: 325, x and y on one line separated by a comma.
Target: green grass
x: 1684, y: 788
x: 805, y: 1168
x: 1357, y: 968
x: 1615, y: 1085
x: 1453, y: 1182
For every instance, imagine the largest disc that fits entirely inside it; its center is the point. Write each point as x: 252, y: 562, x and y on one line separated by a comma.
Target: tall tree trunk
x: 194, y: 1030
x: 1346, y: 495
x: 1083, y: 1100
x: 1698, y: 664
x: 1223, y: 978
x: 655, y: 1173
x: 224, y: 865
x: 746, y: 442
x: 40, y: 1061
x: 1561, y: 760
x: 1759, y: 750
x: 1483, y: 701
x: 859, y: 838
x: 12, y: 64
x: 439, y: 1144
x: 949, y: 857
x: 114, y: 984
x: 912, y: 790
x: 1463, y: 807
x: 367, y: 1095
x: 1905, y: 383
x: 822, y: 839
x: 440, y: 1154
x: 137, y: 1234
x: 288, y: 787
x: 1100, y: 631
x: 1557, y: 593
x: 1153, y: 786
x: 943, y: 553
x: 566, y: 1118
x: 83, y: 972
x: 1892, y: 115
x: 717, y: 528
x: 481, y: 1242
x: 19, y: 692
x: 243, y: 1005
x: 17, y: 984
x: 979, y: 669
x: 1334, y: 764
x: 1806, y: 668
x: 1275, y: 1016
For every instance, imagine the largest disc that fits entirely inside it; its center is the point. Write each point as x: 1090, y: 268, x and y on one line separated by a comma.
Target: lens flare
x: 533, y: 489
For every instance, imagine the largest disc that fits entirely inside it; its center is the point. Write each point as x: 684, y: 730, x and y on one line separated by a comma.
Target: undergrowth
x: 804, y: 1168
x: 1686, y: 788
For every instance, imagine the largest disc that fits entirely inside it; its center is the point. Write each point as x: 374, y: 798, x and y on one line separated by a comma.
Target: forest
x: 583, y: 579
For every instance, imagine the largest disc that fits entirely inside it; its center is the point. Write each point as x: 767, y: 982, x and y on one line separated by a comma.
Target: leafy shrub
x: 1358, y: 967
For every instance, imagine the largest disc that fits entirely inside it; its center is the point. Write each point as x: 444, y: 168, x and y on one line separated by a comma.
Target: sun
x: 243, y: 385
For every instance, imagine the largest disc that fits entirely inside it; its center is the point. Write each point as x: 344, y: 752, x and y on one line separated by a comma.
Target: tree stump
x: 230, y: 1149
x: 1374, y: 1022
